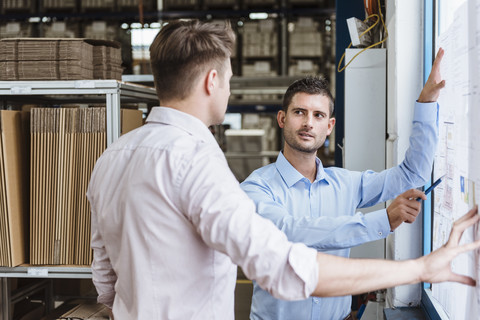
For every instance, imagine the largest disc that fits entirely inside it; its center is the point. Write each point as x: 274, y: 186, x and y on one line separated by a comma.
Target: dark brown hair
x: 183, y: 50
x: 309, y: 85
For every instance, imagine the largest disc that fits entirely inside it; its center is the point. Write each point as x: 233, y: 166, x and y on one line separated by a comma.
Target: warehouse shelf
x: 14, y: 296
x: 235, y: 82
x: 110, y: 92
x: 138, y: 78
x: 240, y: 86
x: 278, y: 58
x: 55, y: 272
x: 126, y: 16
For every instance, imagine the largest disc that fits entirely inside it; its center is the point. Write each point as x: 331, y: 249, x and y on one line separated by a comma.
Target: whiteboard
x: 458, y: 153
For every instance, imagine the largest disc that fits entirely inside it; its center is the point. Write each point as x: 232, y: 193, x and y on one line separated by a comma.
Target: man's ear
x: 281, y: 118
x: 331, y: 124
x: 211, y: 81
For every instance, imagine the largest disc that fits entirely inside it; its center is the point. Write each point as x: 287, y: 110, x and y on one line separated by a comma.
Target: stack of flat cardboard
x: 66, y: 142
x: 59, y: 59
x: 58, y: 4
x: 88, y: 311
x: 14, y: 177
x: 107, y: 60
x: 17, y: 6
x: 45, y: 59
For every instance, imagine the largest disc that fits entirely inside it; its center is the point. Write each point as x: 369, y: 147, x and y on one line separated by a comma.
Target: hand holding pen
x: 429, y: 189
x: 405, y: 208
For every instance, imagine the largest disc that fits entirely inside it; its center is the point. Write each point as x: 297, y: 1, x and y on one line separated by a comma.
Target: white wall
x: 365, y: 127
x: 404, y: 83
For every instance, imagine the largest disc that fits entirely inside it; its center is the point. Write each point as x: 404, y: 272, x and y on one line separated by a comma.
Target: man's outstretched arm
x: 340, y: 276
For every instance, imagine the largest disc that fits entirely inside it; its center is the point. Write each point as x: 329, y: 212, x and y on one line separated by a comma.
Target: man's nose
x: 308, y: 121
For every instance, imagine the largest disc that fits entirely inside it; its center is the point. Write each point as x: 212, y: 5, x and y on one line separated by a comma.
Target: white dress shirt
x: 170, y: 222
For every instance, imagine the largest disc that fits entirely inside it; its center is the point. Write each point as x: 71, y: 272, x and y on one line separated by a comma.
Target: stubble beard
x: 295, y: 145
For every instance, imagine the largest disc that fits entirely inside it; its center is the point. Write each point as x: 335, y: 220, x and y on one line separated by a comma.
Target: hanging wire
x: 368, y: 8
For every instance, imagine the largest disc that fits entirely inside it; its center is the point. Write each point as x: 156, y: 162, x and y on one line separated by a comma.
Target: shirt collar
x: 291, y: 176
x: 181, y: 120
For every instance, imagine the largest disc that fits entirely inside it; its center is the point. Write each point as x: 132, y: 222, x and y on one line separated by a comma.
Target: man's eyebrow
x: 298, y: 108
x: 301, y: 108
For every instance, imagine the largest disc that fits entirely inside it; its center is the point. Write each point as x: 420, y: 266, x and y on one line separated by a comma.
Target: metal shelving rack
x: 111, y: 92
x: 240, y: 86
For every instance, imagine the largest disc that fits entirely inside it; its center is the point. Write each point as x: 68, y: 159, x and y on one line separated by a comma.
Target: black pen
x: 436, y: 183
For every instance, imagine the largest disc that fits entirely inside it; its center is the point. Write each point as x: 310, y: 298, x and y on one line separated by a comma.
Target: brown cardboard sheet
x: 74, y: 138
x: 66, y: 143
x: 131, y: 119
x: 15, y: 189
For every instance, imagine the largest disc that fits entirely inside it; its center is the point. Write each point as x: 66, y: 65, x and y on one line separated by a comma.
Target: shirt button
x: 316, y: 300
x: 380, y: 233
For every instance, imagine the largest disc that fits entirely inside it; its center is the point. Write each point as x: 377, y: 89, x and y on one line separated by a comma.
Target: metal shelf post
x: 5, y: 308
x: 113, y: 117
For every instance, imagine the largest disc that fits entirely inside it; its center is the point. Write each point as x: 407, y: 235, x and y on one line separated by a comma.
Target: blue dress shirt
x: 323, y: 214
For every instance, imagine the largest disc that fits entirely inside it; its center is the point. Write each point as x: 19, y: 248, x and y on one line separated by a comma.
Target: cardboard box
x: 14, y: 176
x: 131, y: 119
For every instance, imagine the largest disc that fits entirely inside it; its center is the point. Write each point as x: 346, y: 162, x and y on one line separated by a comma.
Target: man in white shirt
x: 170, y: 222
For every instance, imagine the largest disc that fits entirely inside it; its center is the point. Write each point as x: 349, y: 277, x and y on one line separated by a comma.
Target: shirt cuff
x: 107, y: 299
x: 377, y: 223
x: 425, y: 111
x: 303, y: 261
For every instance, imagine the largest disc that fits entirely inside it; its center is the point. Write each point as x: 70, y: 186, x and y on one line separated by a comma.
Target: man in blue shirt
x: 317, y: 205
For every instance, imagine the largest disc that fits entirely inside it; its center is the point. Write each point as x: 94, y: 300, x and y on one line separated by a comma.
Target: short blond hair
x: 183, y: 50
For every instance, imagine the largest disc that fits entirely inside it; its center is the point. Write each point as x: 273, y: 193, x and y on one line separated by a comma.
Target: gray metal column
x: 283, y: 46
x: 113, y: 117
x: 5, y: 307
x: 49, y: 300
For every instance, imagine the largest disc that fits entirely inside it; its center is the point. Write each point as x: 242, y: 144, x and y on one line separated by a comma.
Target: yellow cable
x: 371, y: 46
x: 361, y: 35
